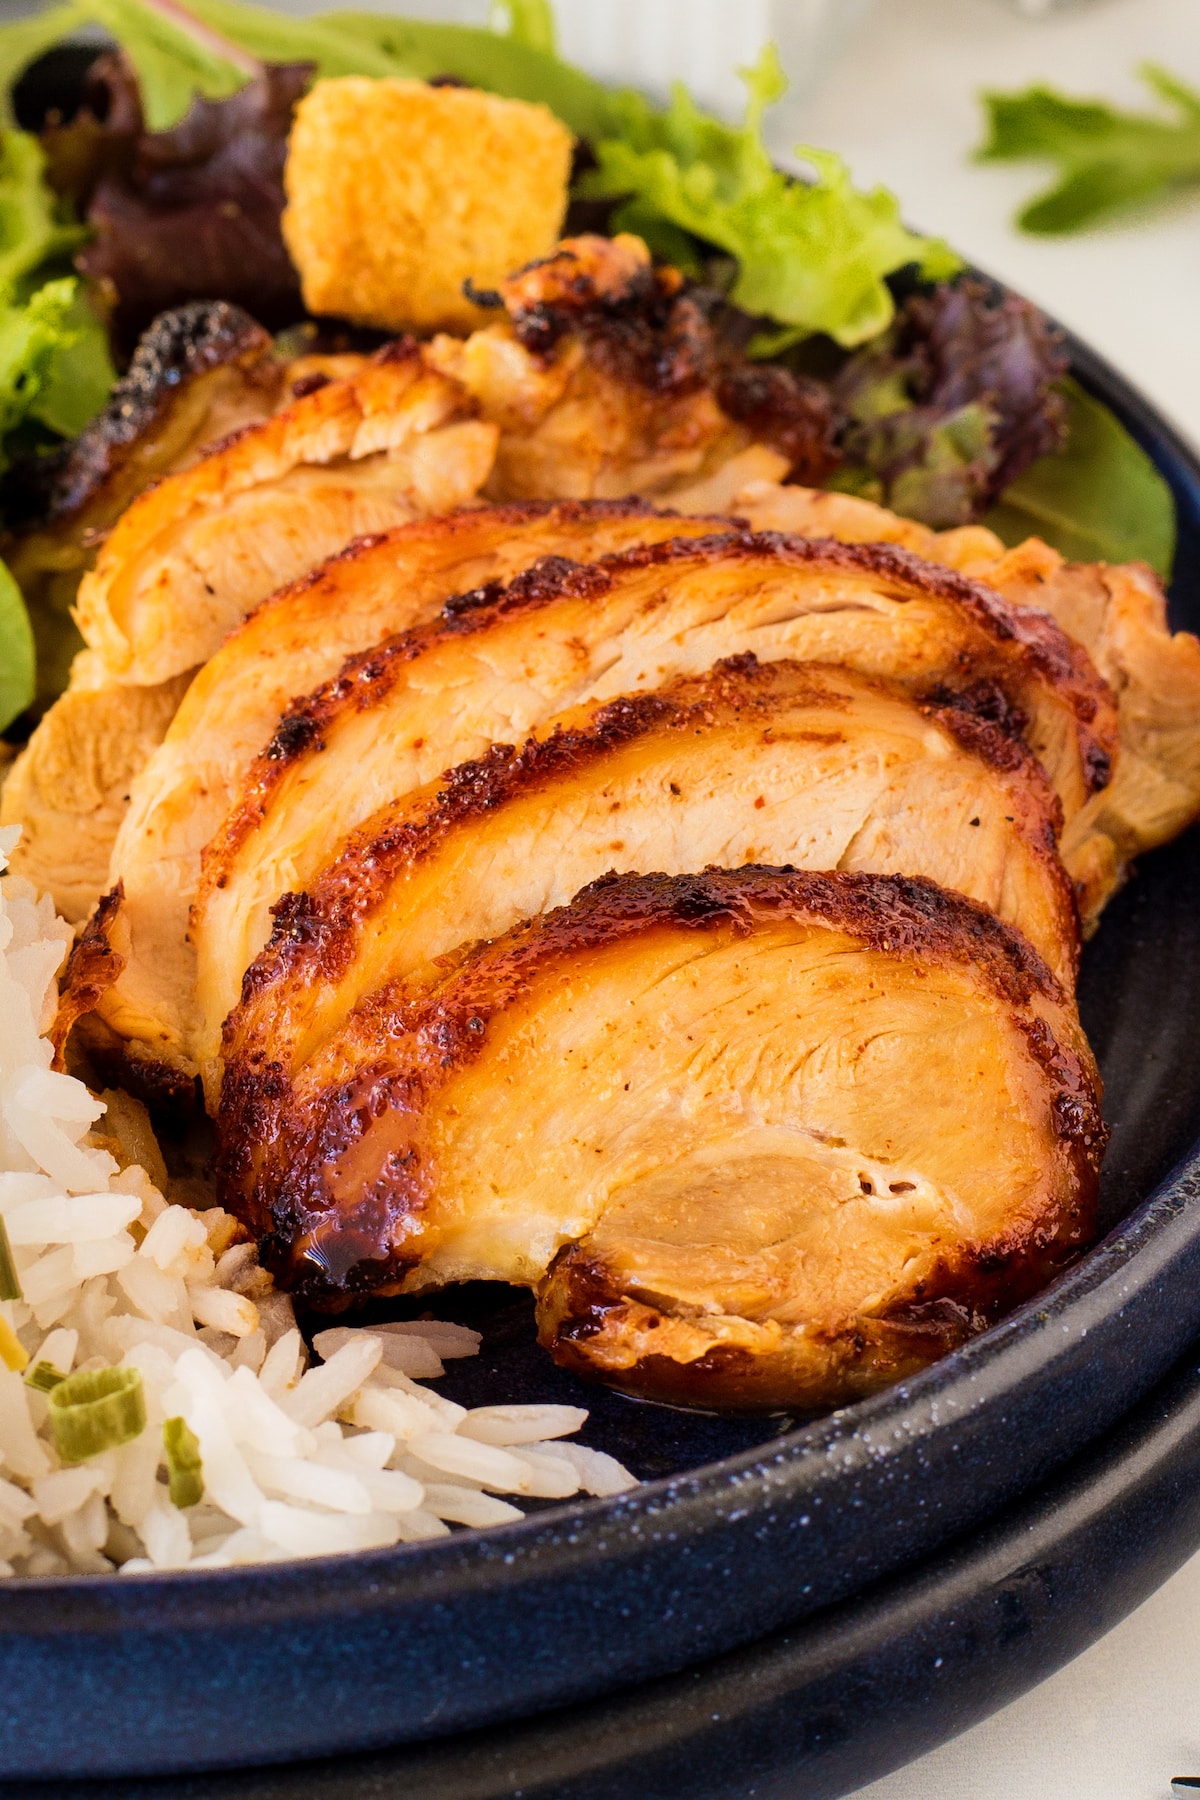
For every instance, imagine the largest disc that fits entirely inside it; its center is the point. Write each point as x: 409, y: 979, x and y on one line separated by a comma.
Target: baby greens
x: 1102, y: 500
x: 810, y: 256
x: 1107, y: 159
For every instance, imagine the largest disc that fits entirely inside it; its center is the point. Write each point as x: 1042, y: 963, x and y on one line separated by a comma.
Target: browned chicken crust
x: 199, y: 373
x: 296, y: 639
x: 837, y: 1110
x: 1117, y: 612
x: 190, y: 558
x: 605, y: 378
x: 499, y: 663
x: 786, y: 763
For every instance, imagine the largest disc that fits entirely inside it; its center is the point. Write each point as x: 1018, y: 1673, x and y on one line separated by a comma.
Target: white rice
x: 117, y: 1269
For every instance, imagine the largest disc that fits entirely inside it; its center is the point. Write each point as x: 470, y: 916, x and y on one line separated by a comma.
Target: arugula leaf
x: 16, y: 651
x: 812, y: 256
x: 1102, y: 499
x: 1108, y: 160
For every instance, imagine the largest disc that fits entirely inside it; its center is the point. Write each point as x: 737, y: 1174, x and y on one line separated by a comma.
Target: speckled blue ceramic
x: 748, y: 1527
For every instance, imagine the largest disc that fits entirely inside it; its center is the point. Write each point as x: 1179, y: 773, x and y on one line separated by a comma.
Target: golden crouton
x: 399, y: 192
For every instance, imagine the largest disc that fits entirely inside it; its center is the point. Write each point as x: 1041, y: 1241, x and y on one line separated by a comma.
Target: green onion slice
x: 10, y: 1285
x: 95, y: 1410
x: 184, y: 1470
x: 45, y: 1377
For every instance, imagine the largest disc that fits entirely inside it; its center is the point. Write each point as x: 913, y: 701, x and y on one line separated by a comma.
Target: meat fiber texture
x: 494, y: 669
x: 785, y: 764
x: 1117, y: 612
x: 758, y: 1138
x: 300, y: 637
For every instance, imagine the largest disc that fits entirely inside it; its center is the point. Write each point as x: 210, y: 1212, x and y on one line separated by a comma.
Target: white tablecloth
x: 1122, y: 1719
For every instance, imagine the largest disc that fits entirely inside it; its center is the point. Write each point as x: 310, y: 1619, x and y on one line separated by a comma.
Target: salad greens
x: 1107, y: 159
x: 1103, y: 500
x: 947, y: 405
x: 55, y: 369
x: 813, y: 256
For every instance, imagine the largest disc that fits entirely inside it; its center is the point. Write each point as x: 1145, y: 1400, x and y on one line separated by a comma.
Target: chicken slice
x: 758, y: 1137
x: 190, y: 558
x: 605, y: 378
x: 69, y: 788
x: 767, y: 505
x: 1117, y: 612
x: 199, y: 372
x: 491, y: 670
x: 781, y: 763
x: 291, y: 643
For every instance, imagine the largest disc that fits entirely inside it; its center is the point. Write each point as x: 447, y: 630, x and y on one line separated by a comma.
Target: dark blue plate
x: 744, y: 1528
x: 816, y: 1711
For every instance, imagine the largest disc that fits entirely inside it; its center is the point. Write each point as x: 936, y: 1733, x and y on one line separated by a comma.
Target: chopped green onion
x: 184, y: 1470
x: 95, y: 1410
x: 13, y: 1353
x: 45, y: 1377
x: 10, y: 1285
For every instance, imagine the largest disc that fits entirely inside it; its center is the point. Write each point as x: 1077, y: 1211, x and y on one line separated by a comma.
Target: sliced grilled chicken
x: 198, y: 373
x: 291, y: 643
x: 69, y: 788
x: 783, y: 763
x: 491, y: 670
x: 767, y: 505
x: 605, y: 378
x: 190, y: 558
x: 1117, y: 612
x: 759, y: 1137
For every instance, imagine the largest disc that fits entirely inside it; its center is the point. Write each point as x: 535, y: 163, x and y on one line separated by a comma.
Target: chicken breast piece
x: 605, y: 378
x: 291, y: 643
x: 199, y: 372
x: 780, y: 763
x: 69, y: 788
x: 758, y: 1137
x: 1120, y: 614
x: 1117, y: 612
x: 190, y: 558
x: 491, y: 670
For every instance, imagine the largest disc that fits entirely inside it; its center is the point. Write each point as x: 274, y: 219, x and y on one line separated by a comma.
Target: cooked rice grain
x: 351, y: 1454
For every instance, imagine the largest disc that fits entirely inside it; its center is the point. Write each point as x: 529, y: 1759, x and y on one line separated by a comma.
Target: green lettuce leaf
x: 16, y: 651
x: 1102, y: 499
x: 1107, y: 160
x: 813, y: 256
x: 526, y: 22
x: 34, y: 226
x: 213, y: 52
x: 55, y: 368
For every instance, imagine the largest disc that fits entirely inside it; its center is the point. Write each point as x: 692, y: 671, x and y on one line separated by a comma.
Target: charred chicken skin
x: 499, y: 664
x: 295, y: 640
x: 759, y: 1137
x: 1117, y: 612
x: 784, y: 763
